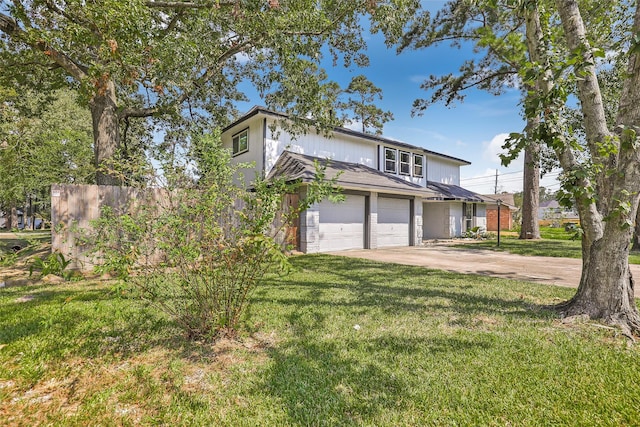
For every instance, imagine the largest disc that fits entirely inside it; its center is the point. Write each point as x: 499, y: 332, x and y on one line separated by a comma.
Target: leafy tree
x: 183, y: 61
x: 361, y: 96
x: 496, y: 29
x: 601, y: 173
x: 45, y: 139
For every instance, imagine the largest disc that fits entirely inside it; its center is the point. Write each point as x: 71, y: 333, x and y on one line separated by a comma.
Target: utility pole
x: 495, y: 190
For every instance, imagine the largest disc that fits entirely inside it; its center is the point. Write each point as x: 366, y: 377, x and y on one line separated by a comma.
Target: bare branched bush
x: 199, y: 251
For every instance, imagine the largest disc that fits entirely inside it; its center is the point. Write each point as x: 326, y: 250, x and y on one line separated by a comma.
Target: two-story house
x: 396, y: 194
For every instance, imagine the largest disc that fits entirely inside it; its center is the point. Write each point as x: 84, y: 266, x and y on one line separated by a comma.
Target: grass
x: 338, y: 342
x: 555, y: 242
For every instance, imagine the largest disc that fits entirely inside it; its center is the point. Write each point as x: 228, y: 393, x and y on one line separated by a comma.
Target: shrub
x: 55, y: 264
x: 199, y: 251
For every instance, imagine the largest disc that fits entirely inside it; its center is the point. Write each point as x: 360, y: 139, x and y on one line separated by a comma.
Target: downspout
x: 264, y: 147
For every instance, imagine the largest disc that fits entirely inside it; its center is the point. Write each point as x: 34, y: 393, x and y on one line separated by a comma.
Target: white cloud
x: 492, y: 149
x: 417, y: 78
x: 353, y: 125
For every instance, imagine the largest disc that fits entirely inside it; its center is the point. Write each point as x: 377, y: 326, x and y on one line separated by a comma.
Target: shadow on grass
x: 322, y: 381
x: 89, y: 322
x: 382, y: 286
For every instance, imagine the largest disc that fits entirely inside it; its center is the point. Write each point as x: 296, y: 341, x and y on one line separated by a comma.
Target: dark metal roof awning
x: 453, y: 192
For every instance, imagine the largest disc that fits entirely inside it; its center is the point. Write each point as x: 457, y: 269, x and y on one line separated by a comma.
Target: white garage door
x: 393, y: 222
x: 342, y: 224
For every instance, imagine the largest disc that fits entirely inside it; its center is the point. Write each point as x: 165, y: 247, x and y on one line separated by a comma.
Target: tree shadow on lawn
x: 317, y: 373
x: 87, y: 322
x: 395, y: 288
x: 323, y: 382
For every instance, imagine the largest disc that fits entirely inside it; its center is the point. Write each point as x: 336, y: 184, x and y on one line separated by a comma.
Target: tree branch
x: 188, y: 4
x: 138, y: 112
x: 10, y: 27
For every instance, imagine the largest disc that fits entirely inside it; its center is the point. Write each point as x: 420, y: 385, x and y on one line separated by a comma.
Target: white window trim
x: 407, y: 163
x: 395, y: 160
x: 237, y: 135
x: 418, y: 156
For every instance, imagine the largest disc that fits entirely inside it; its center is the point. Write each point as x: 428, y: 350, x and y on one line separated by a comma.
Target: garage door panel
x: 342, y: 224
x: 393, y: 222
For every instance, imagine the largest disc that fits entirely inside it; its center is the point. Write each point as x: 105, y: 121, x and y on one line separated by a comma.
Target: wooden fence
x: 73, y: 207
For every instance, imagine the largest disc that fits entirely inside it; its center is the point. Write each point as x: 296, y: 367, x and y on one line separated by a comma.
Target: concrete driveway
x: 549, y: 270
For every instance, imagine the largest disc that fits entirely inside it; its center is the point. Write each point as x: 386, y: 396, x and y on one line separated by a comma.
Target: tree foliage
x: 361, y: 95
x: 497, y: 32
x: 601, y: 172
x: 44, y: 139
x: 186, y: 61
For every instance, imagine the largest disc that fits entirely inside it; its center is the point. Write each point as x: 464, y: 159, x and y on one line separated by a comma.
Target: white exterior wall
x: 435, y: 221
x: 341, y: 147
x: 442, y: 170
x: 481, y: 215
x: 254, y: 154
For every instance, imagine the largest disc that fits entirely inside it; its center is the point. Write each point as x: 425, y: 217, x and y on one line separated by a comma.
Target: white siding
x: 393, y: 222
x: 254, y: 154
x: 435, y: 221
x: 481, y: 215
x: 340, y: 147
x: 341, y: 225
x: 443, y: 171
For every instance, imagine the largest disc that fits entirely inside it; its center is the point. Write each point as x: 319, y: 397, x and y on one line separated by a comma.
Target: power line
x: 490, y: 176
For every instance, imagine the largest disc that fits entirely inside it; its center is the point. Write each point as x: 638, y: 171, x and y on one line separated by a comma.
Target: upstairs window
x: 405, y: 163
x: 240, y: 142
x: 390, y: 160
x: 418, y: 166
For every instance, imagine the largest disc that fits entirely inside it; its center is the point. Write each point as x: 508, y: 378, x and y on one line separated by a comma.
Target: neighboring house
x: 396, y: 194
x: 553, y: 213
x: 507, y: 209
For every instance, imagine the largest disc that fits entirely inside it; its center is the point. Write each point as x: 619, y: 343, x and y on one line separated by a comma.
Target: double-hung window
x: 240, y: 142
x: 418, y: 166
x: 405, y: 163
x: 390, y: 160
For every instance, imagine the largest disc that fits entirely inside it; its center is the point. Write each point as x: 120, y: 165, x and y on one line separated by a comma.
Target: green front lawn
x: 339, y: 342
x: 555, y: 242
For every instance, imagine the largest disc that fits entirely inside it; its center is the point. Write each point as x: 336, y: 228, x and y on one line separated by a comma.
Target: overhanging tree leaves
x: 601, y: 173
x: 176, y: 60
x: 43, y: 139
x: 496, y: 29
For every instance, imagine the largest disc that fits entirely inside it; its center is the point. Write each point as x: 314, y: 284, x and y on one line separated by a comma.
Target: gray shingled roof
x: 351, y: 176
x: 355, y: 176
x: 506, y: 198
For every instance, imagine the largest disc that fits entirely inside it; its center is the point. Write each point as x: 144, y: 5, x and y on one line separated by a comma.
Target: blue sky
x: 473, y: 130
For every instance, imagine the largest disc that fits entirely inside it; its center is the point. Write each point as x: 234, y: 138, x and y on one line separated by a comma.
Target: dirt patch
x: 15, y: 271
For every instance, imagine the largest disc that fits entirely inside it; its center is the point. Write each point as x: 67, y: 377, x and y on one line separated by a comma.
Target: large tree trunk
x: 531, y: 191
x: 106, y: 133
x: 606, y: 288
x: 12, y: 217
